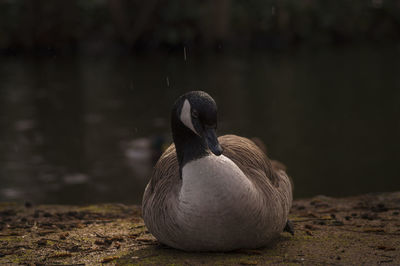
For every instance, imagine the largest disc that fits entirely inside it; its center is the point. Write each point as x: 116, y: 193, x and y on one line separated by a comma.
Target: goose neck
x: 189, y: 147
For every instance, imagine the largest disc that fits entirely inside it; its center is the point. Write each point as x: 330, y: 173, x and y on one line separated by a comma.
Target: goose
x: 214, y: 194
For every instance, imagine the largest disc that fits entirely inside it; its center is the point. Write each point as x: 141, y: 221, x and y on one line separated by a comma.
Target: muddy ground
x: 345, y: 231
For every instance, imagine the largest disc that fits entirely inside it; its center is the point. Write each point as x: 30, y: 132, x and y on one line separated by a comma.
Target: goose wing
x: 268, y: 176
x: 250, y: 158
x: 242, y: 151
x: 271, y: 180
x: 166, y: 169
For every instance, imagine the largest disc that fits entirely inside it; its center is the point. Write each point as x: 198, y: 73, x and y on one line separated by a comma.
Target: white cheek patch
x: 186, y: 117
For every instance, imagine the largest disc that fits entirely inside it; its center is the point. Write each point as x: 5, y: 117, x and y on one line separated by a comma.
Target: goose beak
x: 212, y: 141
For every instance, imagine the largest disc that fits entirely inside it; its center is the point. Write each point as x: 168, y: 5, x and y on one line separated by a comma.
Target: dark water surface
x: 80, y: 130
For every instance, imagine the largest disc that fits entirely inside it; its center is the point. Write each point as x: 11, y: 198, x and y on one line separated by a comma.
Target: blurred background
x: 86, y: 88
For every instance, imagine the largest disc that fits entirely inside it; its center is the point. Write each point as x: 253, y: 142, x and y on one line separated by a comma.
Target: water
x: 76, y: 130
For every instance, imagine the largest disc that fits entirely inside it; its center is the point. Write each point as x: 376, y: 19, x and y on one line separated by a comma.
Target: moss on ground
x: 350, y: 231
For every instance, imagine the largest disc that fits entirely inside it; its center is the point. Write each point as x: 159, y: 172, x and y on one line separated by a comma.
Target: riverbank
x: 355, y: 230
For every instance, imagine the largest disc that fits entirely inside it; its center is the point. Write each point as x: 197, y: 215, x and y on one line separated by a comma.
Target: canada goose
x: 209, y: 194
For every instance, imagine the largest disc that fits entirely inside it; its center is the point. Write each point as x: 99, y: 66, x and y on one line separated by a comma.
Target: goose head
x: 194, y: 124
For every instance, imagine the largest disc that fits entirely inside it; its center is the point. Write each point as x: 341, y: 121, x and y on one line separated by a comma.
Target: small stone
x: 368, y: 216
x: 61, y: 255
x: 108, y: 241
x: 75, y: 248
x: 99, y: 242
x: 118, y: 238
x: 108, y: 259
x: 42, y: 242
x: 309, y: 226
x: 63, y: 236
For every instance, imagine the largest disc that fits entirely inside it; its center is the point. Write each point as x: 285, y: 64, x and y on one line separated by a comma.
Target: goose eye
x: 195, y: 114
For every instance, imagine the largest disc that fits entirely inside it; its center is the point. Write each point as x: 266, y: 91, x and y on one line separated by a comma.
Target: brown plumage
x: 270, y: 181
x: 242, y: 151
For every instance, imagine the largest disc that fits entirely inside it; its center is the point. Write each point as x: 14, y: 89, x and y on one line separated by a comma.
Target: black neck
x: 189, y: 146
